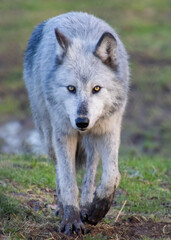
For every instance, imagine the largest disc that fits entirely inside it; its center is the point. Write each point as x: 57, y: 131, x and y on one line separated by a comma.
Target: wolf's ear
x: 64, y: 43
x: 106, y: 50
x: 62, y: 39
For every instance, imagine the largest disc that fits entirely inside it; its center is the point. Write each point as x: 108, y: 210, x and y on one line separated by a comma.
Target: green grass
x: 144, y: 178
x: 29, y: 171
x: 145, y: 185
x: 6, y: 107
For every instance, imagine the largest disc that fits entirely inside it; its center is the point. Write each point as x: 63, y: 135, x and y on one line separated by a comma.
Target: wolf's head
x: 87, y: 79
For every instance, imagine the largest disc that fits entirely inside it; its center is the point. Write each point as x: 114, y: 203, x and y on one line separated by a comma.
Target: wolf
x: 77, y: 75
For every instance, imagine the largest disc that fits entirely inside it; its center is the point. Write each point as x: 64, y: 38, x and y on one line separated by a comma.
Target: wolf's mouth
x: 82, y: 129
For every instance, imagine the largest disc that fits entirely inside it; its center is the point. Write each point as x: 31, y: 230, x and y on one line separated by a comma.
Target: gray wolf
x: 76, y: 73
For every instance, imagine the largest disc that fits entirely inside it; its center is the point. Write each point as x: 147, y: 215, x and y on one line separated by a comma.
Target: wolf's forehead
x: 79, y: 45
x: 82, y: 67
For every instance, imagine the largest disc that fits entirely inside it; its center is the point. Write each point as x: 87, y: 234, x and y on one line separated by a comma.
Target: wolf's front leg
x: 108, y: 146
x: 65, y: 147
x: 88, y: 184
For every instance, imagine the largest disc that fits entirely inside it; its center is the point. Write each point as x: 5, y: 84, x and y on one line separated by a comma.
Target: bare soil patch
x: 133, y: 228
x: 130, y: 229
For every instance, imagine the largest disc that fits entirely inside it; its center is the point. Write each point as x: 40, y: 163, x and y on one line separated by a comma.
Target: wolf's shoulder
x: 34, y: 42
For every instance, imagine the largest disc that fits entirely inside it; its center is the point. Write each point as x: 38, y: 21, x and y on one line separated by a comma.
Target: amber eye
x: 71, y: 89
x: 96, y: 89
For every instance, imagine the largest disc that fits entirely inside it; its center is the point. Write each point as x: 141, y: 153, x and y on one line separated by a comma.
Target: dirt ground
x: 133, y: 228
x: 126, y: 227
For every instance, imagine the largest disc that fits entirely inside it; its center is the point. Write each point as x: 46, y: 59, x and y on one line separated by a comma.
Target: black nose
x: 82, y: 122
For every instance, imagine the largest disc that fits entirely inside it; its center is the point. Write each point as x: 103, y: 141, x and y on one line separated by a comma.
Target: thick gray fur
x: 84, y: 52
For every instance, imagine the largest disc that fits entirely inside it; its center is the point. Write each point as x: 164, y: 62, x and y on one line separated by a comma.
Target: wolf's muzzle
x: 82, y: 123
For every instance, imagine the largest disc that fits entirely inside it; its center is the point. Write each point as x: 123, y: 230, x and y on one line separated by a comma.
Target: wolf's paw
x: 71, y: 222
x: 59, y: 212
x: 84, y: 213
x: 96, y: 210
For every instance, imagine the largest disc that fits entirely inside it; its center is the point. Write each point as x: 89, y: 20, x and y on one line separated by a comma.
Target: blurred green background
x: 144, y: 27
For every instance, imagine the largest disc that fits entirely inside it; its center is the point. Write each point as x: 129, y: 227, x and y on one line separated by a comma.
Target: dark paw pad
x: 96, y: 210
x: 71, y: 222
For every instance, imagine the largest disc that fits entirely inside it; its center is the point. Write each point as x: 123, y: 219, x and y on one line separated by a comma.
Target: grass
x: 29, y: 171
x: 144, y: 179
x: 27, y: 186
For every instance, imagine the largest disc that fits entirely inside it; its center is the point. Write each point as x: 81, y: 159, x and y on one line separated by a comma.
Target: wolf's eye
x: 71, y: 89
x: 96, y: 89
